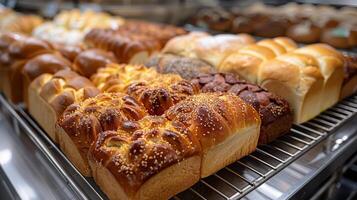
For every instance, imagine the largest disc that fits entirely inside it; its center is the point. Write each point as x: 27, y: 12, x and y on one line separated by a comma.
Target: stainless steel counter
x: 294, y: 166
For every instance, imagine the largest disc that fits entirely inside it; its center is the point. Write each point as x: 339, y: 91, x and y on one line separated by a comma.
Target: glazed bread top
x: 328, y: 58
x: 69, y: 51
x: 159, y: 94
x: 28, y: 48
x: 89, y: 61
x: 44, y: 63
x: 270, y: 106
x: 139, y: 150
x: 186, y: 67
x: 123, y: 43
x: 63, y: 88
x: 116, y: 78
x: 83, y: 121
x: 160, y: 32
x: 213, y: 117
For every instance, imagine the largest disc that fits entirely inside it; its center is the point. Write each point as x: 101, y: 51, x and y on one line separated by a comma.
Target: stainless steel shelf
x: 275, y: 171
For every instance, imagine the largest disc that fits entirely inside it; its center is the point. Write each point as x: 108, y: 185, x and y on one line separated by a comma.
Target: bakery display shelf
x: 246, y: 177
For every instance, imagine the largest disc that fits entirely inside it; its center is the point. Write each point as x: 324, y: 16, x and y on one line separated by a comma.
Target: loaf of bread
x: 89, y: 61
x: 41, y: 64
x: 211, y: 49
x: 157, y: 157
x: 349, y: 85
x: 225, y: 125
x: 6, y: 39
x: 20, y: 51
x: 186, y: 67
x: 69, y: 51
x: 341, y: 36
x: 275, y: 113
x: 50, y: 94
x: 330, y: 63
x: 81, y: 123
x: 296, y: 78
x: 149, y: 159
x: 304, y: 32
x: 127, y: 47
x: 246, y: 61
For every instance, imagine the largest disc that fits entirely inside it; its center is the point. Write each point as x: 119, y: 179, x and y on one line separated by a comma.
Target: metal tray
x: 262, y: 170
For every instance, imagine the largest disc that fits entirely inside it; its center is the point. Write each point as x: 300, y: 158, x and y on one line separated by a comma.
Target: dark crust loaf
x: 138, y: 150
x: 350, y: 67
x: 187, y: 68
x: 107, y: 111
x: 274, y: 111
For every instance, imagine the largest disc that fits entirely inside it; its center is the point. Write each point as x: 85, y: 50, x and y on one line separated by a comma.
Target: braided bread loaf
x: 51, y: 94
x: 148, y: 159
x: 275, y: 114
x: 158, y: 157
x: 82, y: 122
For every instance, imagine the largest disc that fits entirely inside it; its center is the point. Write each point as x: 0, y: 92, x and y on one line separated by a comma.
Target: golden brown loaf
x: 19, y: 52
x: 82, y: 122
x: 330, y: 63
x: 296, y: 78
x: 246, y: 61
x: 127, y: 47
x: 149, y: 159
x: 186, y: 67
x: 225, y: 125
x: 50, y: 94
x: 41, y: 64
x: 157, y: 157
x: 89, y: 61
x: 275, y: 113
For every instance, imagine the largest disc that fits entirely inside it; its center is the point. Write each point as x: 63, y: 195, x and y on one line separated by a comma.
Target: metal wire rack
x: 232, y: 182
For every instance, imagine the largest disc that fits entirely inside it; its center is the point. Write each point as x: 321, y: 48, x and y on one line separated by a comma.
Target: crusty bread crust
x: 349, y: 88
x: 167, y: 183
x: 72, y: 153
x: 230, y: 150
x: 42, y: 112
